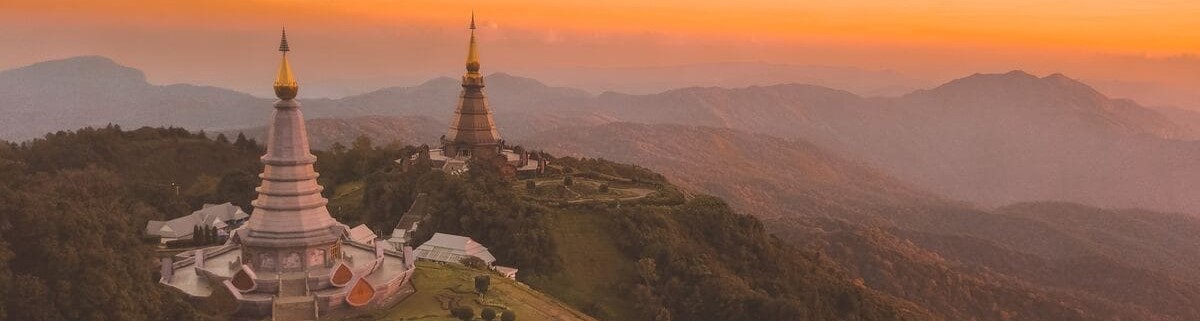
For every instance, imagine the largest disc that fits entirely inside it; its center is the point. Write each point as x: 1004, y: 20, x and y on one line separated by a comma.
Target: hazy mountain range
x: 875, y: 183
x: 655, y: 79
x: 94, y: 91
x: 992, y: 139
x: 1067, y: 260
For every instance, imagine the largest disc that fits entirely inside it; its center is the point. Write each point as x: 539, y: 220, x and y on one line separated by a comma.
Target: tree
x: 482, y: 283
x: 648, y: 270
x: 244, y: 144
x: 215, y: 235
x: 237, y: 187
x: 79, y: 261
x: 568, y: 180
x: 361, y: 151
x: 35, y: 301
x: 197, y: 236
x: 662, y: 315
x: 508, y: 315
x: 463, y: 313
x: 5, y: 277
x: 488, y: 314
x: 474, y: 262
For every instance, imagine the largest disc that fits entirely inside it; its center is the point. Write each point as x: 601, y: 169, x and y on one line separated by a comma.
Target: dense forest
x: 72, y: 209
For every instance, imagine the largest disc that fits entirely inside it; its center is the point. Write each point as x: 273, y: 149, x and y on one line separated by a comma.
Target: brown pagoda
x: 473, y: 133
x: 472, y: 129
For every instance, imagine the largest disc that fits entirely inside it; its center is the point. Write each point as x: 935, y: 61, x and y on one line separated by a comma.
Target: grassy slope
x: 441, y: 282
x: 346, y: 198
x: 592, y: 266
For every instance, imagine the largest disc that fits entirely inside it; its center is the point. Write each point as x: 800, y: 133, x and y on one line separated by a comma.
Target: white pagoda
x: 292, y: 260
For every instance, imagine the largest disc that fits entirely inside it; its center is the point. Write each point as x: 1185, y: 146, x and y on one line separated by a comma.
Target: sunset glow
x: 1146, y: 41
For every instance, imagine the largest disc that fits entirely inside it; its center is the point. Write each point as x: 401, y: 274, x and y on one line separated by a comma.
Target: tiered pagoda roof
x: 290, y: 210
x: 472, y: 125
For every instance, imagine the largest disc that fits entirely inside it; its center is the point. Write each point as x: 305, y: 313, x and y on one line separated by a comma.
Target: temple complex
x: 473, y: 131
x: 292, y: 260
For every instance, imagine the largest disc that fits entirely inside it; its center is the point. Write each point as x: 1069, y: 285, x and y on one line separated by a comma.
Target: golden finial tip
x: 472, y: 52
x: 286, y: 87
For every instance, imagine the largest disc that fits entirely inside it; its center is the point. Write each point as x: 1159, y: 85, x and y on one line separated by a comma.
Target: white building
x: 452, y: 249
x: 221, y: 216
x: 362, y: 234
x: 508, y: 272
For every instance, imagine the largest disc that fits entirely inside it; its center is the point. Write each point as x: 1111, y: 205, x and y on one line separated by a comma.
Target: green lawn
x: 550, y: 190
x: 439, y: 284
x: 347, y: 198
x: 592, y: 266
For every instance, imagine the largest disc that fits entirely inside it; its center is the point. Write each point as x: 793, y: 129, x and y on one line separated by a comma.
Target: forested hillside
x: 684, y: 258
x: 74, y: 203
x: 72, y: 208
x: 955, y: 259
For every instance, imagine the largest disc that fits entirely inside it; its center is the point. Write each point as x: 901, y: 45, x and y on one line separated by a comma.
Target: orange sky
x: 362, y: 43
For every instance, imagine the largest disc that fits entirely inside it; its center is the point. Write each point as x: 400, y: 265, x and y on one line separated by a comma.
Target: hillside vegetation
x: 442, y: 287
x: 683, y: 258
x: 1029, y: 261
x: 72, y: 208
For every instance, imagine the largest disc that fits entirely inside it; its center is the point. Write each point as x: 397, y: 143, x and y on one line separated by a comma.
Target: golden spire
x: 472, y: 53
x: 285, y: 83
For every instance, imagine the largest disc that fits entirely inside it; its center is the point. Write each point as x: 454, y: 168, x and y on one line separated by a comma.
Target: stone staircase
x: 294, y: 302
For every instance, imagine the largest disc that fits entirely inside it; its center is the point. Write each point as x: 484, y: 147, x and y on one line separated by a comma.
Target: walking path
x: 636, y: 193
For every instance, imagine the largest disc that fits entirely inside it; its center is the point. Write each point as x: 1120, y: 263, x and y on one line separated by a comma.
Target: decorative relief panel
x: 268, y: 261
x: 316, y: 257
x: 291, y: 261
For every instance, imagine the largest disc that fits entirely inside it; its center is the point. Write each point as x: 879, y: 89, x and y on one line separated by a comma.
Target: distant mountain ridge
x: 655, y: 79
x: 993, y: 139
x: 94, y: 91
x: 382, y: 130
x: 757, y: 173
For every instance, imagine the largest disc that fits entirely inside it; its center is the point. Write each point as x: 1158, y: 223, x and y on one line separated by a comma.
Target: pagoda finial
x: 472, y: 53
x: 286, y: 87
x: 283, y: 46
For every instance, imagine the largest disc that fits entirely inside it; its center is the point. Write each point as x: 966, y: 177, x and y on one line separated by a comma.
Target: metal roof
x: 453, y: 248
